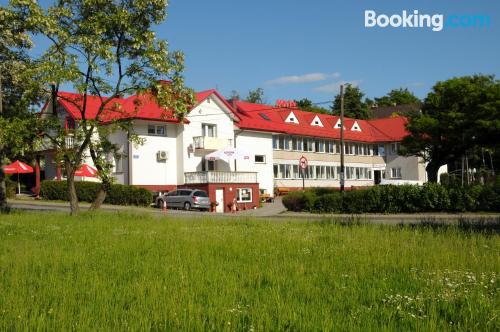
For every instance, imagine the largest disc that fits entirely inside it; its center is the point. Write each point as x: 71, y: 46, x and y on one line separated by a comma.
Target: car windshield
x: 200, y: 194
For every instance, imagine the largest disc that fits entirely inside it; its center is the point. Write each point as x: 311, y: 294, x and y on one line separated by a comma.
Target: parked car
x: 186, y: 199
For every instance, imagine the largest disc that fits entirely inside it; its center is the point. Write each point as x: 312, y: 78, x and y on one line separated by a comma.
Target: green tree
x: 397, y: 97
x: 354, y: 107
x: 457, y: 115
x: 256, y: 96
x: 17, y: 123
x: 307, y: 106
x: 106, y: 49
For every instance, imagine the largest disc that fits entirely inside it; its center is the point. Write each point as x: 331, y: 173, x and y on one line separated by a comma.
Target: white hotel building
x: 173, y: 153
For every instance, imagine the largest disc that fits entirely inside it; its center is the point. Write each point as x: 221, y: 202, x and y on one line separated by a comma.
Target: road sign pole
x: 342, y: 166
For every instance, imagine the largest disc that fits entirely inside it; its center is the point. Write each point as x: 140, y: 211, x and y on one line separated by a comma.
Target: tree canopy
x: 397, y: 97
x: 457, y: 115
x: 308, y: 106
x: 108, y: 53
x: 256, y: 96
x: 354, y: 107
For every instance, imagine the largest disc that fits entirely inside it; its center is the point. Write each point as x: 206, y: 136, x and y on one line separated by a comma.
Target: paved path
x: 267, y: 210
x: 272, y: 211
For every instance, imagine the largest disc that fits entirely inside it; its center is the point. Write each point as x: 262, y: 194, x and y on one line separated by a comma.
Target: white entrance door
x: 219, y: 198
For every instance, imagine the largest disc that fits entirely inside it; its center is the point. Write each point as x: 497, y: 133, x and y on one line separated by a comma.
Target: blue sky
x: 242, y: 45
x: 295, y: 49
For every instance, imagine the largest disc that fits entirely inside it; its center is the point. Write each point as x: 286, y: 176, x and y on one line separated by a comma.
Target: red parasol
x: 18, y: 167
x: 86, y: 171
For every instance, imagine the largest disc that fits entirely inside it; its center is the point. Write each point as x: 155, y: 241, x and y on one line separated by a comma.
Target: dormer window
x: 355, y: 126
x: 337, y: 125
x: 316, y: 122
x: 291, y: 118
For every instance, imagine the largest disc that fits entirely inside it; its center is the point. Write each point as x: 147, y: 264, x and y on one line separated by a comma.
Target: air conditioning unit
x: 162, y: 155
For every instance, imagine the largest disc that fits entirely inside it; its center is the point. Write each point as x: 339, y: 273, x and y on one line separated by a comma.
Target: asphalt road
x: 278, y: 214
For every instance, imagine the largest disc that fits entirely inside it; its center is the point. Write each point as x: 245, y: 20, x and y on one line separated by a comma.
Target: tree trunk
x: 3, y: 191
x: 101, y: 196
x: 432, y: 171
x: 73, y: 198
x: 105, y: 181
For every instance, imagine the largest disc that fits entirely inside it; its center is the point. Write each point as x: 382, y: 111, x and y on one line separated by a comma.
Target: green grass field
x: 124, y: 272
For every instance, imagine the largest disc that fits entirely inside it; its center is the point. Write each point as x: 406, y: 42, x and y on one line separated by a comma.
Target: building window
x: 244, y: 195
x: 296, y: 172
x: 381, y: 150
x: 296, y: 143
x: 209, y: 130
x: 320, y: 145
x: 157, y: 130
x: 287, y: 142
x: 396, y: 173
x: 395, y: 148
x: 208, y: 165
x: 275, y: 142
x: 118, y: 163
x: 276, y: 171
x: 260, y: 159
x: 308, y: 145
x: 281, y: 142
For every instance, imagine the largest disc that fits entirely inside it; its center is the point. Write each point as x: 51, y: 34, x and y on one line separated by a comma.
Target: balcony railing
x: 220, y: 177
x: 211, y: 143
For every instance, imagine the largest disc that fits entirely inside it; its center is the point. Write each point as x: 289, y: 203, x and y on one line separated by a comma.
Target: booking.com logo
x: 437, y: 22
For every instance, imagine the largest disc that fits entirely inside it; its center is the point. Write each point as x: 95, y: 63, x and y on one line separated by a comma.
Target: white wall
x: 210, y: 111
x: 145, y: 168
x: 261, y: 144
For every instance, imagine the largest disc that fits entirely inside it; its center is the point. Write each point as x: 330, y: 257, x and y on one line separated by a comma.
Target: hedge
x: 430, y: 197
x: 87, y: 191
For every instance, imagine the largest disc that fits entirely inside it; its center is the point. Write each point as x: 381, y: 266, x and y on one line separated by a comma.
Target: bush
x: 300, y: 200
x: 87, y: 191
x: 431, y: 197
x: 329, y: 203
x: 10, y: 187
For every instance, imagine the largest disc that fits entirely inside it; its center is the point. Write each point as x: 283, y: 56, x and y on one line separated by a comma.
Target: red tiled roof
x: 248, y: 116
x: 272, y: 119
x: 133, y: 107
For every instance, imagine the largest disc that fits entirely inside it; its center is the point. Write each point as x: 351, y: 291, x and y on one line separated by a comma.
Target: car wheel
x: 187, y: 206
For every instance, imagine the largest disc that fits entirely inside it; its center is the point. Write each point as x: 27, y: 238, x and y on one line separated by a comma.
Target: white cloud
x: 306, y: 78
x: 335, y: 86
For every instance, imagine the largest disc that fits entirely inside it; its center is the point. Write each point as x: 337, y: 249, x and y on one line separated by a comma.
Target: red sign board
x: 303, y: 162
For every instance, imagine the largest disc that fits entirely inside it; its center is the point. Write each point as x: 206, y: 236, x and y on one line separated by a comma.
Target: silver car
x: 185, y: 198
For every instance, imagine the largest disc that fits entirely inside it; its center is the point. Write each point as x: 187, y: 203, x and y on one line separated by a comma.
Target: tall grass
x: 130, y: 272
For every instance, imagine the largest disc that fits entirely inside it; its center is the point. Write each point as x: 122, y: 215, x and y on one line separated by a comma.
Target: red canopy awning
x: 86, y: 171
x: 17, y: 167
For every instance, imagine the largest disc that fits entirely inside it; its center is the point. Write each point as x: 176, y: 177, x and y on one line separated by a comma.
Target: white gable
x: 291, y: 118
x: 316, y: 122
x: 337, y: 125
x: 355, y: 126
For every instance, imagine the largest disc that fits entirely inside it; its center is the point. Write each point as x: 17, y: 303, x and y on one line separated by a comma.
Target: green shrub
x: 329, y: 203
x: 300, y: 200
x: 11, y: 188
x: 87, y: 191
x: 431, y: 197
x: 435, y: 198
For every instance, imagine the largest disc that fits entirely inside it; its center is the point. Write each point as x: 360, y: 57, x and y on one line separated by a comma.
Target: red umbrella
x: 86, y: 171
x: 18, y: 167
